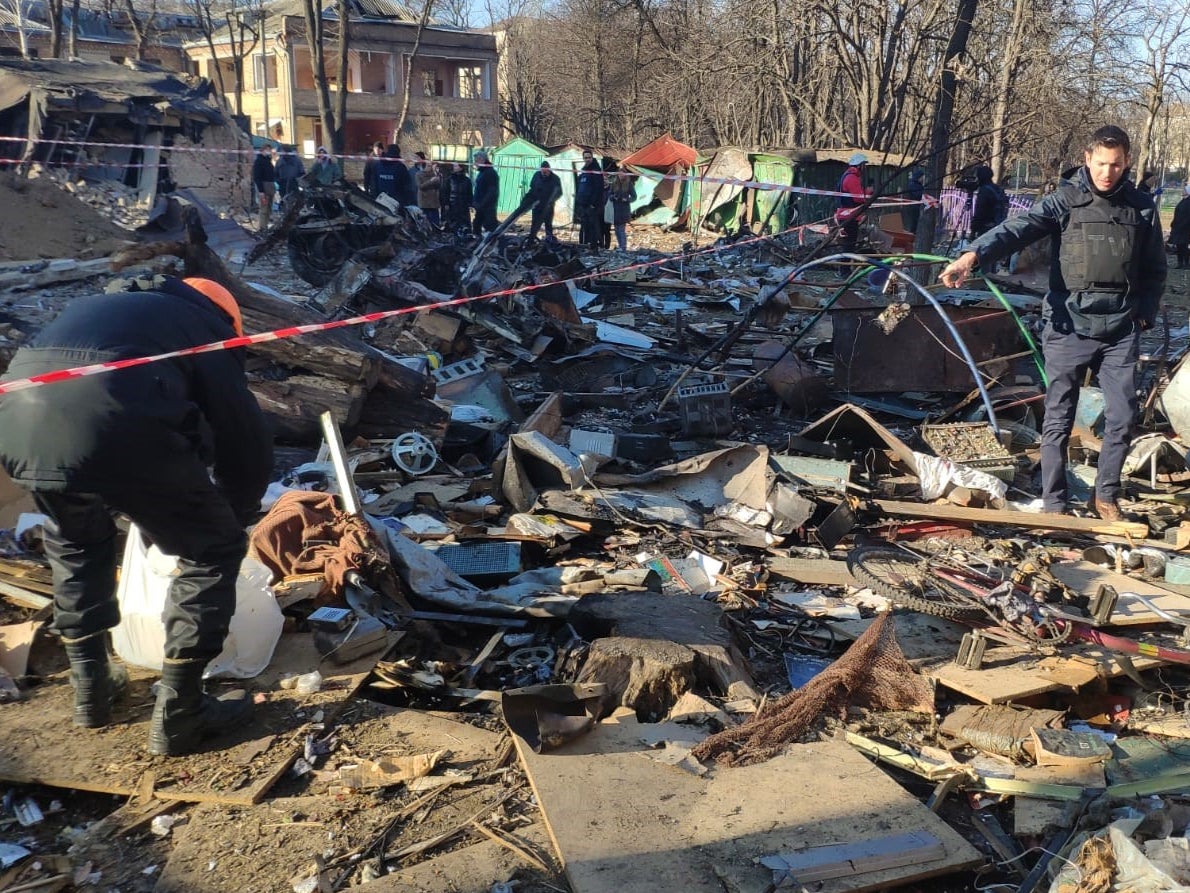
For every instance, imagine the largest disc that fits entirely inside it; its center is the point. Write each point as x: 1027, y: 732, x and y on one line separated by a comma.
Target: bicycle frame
x: 1075, y: 629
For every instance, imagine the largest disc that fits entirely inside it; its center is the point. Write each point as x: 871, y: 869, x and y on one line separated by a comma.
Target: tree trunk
x: 338, y: 135
x: 943, y: 113
x: 74, y: 29
x: 54, y: 9
x: 1009, y: 62
x: 312, y: 10
x: 407, y: 86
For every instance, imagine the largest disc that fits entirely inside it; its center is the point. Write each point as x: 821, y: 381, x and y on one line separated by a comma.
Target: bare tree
x: 20, y: 14
x: 407, y: 81
x: 1165, y: 44
x: 242, y: 38
x: 205, y: 17
x: 940, y: 128
x: 332, y: 115
x: 142, y: 23
x: 54, y: 14
x: 74, y: 29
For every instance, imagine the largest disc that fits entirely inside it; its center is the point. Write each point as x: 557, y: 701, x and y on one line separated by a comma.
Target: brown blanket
x: 306, y: 533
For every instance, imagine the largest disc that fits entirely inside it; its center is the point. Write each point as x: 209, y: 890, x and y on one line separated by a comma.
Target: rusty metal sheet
x: 918, y: 354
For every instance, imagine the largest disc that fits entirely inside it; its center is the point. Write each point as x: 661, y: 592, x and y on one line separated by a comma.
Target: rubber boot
x: 185, y: 715
x: 97, y: 679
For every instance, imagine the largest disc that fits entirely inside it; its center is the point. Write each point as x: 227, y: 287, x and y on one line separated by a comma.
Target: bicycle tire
x: 907, y: 580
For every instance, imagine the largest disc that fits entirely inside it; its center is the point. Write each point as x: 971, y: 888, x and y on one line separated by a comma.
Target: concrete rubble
x: 711, y: 569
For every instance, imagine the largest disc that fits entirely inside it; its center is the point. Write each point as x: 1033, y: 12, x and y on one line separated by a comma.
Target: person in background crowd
x: 588, y: 202
x: 429, y: 188
x: 991, y: 203
x: 1179, y: 230
x: 544, y: 191
x: 444, y: 192
x: 140, y: 441
x: 487, y: 194
x: 856, y: 193
x: 393, y: 179
x: 460, y: 199
x: 326, y: 170
x: 1107, y: 276
x: 264, y: 178
x: 915, y: 191
x: 621, y: 195
x: 289, y: 171
x: 371, y: 168
x: 605, y: 226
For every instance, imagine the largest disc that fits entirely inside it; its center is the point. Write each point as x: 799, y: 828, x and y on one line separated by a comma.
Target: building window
x: 264, y: 66
x: 470, y: 82
x: 430, y: 85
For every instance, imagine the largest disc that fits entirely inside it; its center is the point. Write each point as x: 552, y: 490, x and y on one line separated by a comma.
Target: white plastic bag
x: 144, y: 584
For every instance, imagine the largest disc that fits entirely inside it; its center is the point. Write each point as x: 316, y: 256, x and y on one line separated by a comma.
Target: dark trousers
x: 542, y: 216
x: 849, y: 235
x: 485, y: 220
x: 1183, y: 250
x: 590, y: 230
x: 460, y: 218
x: 186, y: 516
x: 1067, y: 359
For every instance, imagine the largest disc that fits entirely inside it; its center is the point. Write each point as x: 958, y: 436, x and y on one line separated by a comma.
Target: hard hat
x: 858, y: 158
x: 221, y: 298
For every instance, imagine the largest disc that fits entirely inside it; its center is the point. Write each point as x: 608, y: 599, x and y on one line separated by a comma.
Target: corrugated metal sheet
x: 778, y: 170
x: 516, y: 162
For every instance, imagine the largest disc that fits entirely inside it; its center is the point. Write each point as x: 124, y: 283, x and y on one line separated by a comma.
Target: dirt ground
x: 40, y: 220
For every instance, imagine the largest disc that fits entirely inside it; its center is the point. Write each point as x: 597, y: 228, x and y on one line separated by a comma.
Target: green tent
x: 516, y: 162
x: 771, y: 207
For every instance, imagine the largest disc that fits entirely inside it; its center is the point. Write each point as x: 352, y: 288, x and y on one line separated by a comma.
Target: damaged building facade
x: 452, y: 82
x: 147, y: 130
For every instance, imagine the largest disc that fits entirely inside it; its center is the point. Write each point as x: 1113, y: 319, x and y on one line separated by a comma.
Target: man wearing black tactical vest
x: 1107, y: 273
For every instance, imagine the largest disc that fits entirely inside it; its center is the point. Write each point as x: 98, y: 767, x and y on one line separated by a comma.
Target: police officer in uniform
x: 1107, y: 274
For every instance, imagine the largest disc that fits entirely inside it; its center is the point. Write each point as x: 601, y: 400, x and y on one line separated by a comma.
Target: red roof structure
x: 662, y: 155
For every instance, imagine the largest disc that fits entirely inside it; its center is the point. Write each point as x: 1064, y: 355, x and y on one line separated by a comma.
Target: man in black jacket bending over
x: 1107, y: 275
x: 139, y: 441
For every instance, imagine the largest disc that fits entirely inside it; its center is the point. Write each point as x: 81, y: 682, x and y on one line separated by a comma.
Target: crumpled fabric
x: 306, y: 533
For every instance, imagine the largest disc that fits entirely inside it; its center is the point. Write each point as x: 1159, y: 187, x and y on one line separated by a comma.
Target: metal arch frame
x: 869, y: 264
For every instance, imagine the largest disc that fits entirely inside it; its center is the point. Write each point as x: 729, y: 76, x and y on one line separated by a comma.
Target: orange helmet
x: 221, y: 298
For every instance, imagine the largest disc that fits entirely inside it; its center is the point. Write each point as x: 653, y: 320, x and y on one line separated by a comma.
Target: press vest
x: 1098, y: 256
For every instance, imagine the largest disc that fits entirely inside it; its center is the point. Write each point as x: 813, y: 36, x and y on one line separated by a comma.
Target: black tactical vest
x: 1100, y: 245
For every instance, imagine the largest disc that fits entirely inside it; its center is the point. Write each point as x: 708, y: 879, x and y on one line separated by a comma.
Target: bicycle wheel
x: 908, y: 580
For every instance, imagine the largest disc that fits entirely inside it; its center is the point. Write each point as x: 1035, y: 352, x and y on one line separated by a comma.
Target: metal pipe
x: 334, y: 442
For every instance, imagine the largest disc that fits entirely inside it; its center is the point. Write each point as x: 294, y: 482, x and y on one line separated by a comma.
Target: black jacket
x: 1051, y: 216
x: 487, y: 189
x: 371, y: 169
x: 543, y: 191
x: 589, y: 190
x: 1179, y: 228
x: 288, y: 169
x: 263, y: 171
x: 460, y: 190
x: 124, y: 428
x: 393, y: 178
